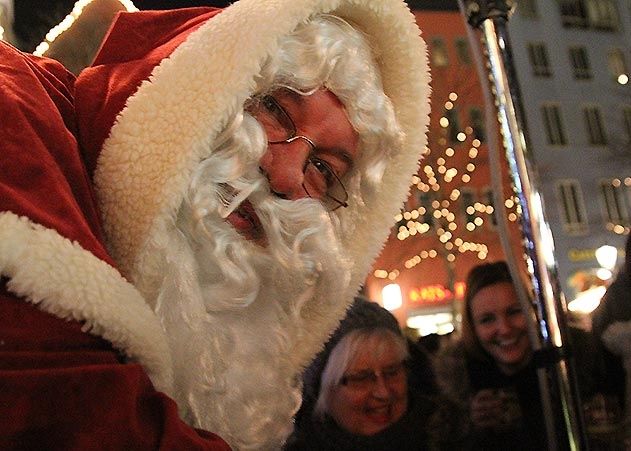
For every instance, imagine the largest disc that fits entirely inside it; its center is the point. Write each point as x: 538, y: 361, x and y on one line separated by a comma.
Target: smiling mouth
x: 245, y: 220
x: 380, y: 414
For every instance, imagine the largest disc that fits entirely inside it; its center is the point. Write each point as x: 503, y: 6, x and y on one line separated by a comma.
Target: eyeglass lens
x: 366, y: 379
x: 320, y: 180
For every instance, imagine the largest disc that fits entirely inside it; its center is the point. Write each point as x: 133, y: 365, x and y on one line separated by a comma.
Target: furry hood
x: 165, y: 84
x: 163, y: 118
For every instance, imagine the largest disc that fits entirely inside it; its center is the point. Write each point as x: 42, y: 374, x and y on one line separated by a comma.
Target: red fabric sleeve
x: 62, y: 389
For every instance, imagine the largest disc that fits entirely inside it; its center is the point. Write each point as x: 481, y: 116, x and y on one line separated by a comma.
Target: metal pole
x: 557, y: 375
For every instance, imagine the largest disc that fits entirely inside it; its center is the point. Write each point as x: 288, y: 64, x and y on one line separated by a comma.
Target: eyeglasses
x: 365, y: 380
x: 320, y: 180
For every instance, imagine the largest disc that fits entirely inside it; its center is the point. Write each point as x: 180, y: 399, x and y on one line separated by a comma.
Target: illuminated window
x: 462, y: 50
x: 553, y: 125
x: 613, y: 198
x: 617, y: 64
x: 572, y: 205
x: 602, y: 14
x: 439, y: 53
x: 580, y: 63
x: 539, y: 60
x: 594, y: 125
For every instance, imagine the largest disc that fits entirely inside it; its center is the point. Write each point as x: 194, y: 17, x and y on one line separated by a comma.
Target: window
x: 596, y: 14
x: 580, y: 63
x: 476, y: 119
x: 602, y: 14
x: 488, y: 195
x: 425, y: 209
x: 626, y: 117
x: 454, y: 125
x: 594, y: 125
x: 572, y: 206
x: 528, y: 8
x: 613, y: 197
x: 462, y: 50
x: 618, y: 66
x: 573, y: 13
x: 539, y: 60
x: 553, y: 125
x: 439, y: 53
x: 468, y: 209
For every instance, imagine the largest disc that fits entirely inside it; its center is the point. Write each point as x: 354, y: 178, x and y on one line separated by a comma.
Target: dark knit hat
x: 362, y: 314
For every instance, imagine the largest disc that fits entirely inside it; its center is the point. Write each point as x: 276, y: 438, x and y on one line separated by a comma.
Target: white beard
x: 242, y: 320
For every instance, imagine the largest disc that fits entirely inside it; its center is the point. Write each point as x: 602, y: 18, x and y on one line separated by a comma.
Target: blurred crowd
x: 479, y: 388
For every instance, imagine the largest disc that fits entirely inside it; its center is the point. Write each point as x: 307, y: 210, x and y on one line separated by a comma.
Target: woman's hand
x: 487, y: 409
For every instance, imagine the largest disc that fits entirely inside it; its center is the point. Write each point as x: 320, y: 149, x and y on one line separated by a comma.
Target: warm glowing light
x: 623, y: 79
x: 587, y: 301
x: 391, y: 296
x: 606, y: 256
x: 604, y: 274
x: 67, y: 22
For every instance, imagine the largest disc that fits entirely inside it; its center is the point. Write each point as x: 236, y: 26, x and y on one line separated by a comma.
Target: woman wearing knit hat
x: 189, y: 218
x: 357, y: 396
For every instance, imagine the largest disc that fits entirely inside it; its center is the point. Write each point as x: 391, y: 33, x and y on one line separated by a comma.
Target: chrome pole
x: 557, y: 376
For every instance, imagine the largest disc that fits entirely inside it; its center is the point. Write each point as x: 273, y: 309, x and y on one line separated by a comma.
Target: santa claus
x: 192, y: 215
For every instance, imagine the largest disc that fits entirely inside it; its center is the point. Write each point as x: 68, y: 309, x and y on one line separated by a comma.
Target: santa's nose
x: 283, y: 164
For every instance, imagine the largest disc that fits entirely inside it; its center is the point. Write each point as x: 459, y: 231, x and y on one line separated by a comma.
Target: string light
x: 439, y: 213
x: 67, y: 22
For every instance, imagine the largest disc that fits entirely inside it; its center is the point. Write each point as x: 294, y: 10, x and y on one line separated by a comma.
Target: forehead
x: 322, y: 117
x: 493, y: 297
x: 375, y: 352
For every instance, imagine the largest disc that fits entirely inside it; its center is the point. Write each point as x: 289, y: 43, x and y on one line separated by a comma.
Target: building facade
x: 572, y: 64
x: 571, y: 59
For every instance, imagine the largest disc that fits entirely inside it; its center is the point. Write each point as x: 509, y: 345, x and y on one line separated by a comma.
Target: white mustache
x: 227, y: 206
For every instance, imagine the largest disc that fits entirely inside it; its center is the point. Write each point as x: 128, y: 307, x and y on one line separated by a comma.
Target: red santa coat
x: 52, y: 255
x: 60, y: 387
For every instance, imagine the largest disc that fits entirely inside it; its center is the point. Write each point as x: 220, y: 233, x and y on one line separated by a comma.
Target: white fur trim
x: 64, y: 279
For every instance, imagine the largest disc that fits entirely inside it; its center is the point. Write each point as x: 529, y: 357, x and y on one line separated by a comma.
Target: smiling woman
x: 491, y: 372
x: 357, y: 395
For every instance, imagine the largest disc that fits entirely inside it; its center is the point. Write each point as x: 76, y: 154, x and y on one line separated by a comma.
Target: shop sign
x: 581, y: 255
x: 435, y: 294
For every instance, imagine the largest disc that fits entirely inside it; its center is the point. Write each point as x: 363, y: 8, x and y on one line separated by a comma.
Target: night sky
x: 34, y: 18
